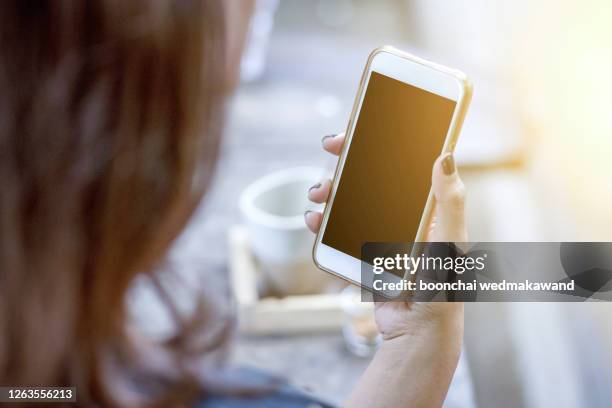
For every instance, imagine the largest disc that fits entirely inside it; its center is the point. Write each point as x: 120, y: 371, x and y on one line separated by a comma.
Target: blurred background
x: 535, y: 154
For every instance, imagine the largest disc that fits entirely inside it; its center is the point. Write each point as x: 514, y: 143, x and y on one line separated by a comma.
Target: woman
x: 110, y: 117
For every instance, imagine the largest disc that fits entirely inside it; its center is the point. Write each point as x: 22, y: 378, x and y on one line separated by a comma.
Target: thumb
x: 449, y: 192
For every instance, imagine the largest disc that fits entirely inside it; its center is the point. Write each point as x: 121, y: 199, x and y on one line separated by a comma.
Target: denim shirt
x: 282, y: 396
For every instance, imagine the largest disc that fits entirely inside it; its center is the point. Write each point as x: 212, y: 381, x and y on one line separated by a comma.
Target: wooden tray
x: 270, y: 315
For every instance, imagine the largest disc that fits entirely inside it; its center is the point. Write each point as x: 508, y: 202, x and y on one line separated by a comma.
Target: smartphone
x: 407, y: 112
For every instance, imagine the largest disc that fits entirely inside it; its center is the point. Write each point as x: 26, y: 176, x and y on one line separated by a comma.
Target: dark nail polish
x: 327, y: 137
x: 448, y: 164
x: 318, y: 185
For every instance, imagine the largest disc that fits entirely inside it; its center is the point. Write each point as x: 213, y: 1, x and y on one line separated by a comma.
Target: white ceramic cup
x: 273, y: 210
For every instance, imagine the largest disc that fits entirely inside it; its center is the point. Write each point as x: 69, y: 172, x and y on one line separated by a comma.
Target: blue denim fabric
x: 283, y: 395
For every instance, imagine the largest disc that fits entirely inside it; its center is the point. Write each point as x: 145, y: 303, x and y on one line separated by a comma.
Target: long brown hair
x: 110, y: 117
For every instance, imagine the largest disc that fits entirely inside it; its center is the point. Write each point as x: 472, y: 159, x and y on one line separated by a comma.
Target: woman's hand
x: 395, y: 319
x: 422, y: 341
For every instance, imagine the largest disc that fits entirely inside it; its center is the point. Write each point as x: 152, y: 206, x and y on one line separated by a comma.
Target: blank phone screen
x: 386, y: 177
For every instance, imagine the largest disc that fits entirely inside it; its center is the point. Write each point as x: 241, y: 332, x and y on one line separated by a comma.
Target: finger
x: 313, y: 220
x: 449, y: 192
x: 333, y: 143
x: 431, y: 230
x: 319, y: 193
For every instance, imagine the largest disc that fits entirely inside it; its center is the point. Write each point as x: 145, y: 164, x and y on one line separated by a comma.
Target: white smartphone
x: 407, y: 112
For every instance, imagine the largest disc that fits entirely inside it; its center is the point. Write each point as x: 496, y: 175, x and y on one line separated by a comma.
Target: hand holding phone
x: 446, y: 223
x: 415, y: 334
x: 394, y: 319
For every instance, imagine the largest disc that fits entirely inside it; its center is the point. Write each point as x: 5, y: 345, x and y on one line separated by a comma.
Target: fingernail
x: 327, y: 137
x: 306, y: 214
x: 318, y: 185
x: 448, y: 164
